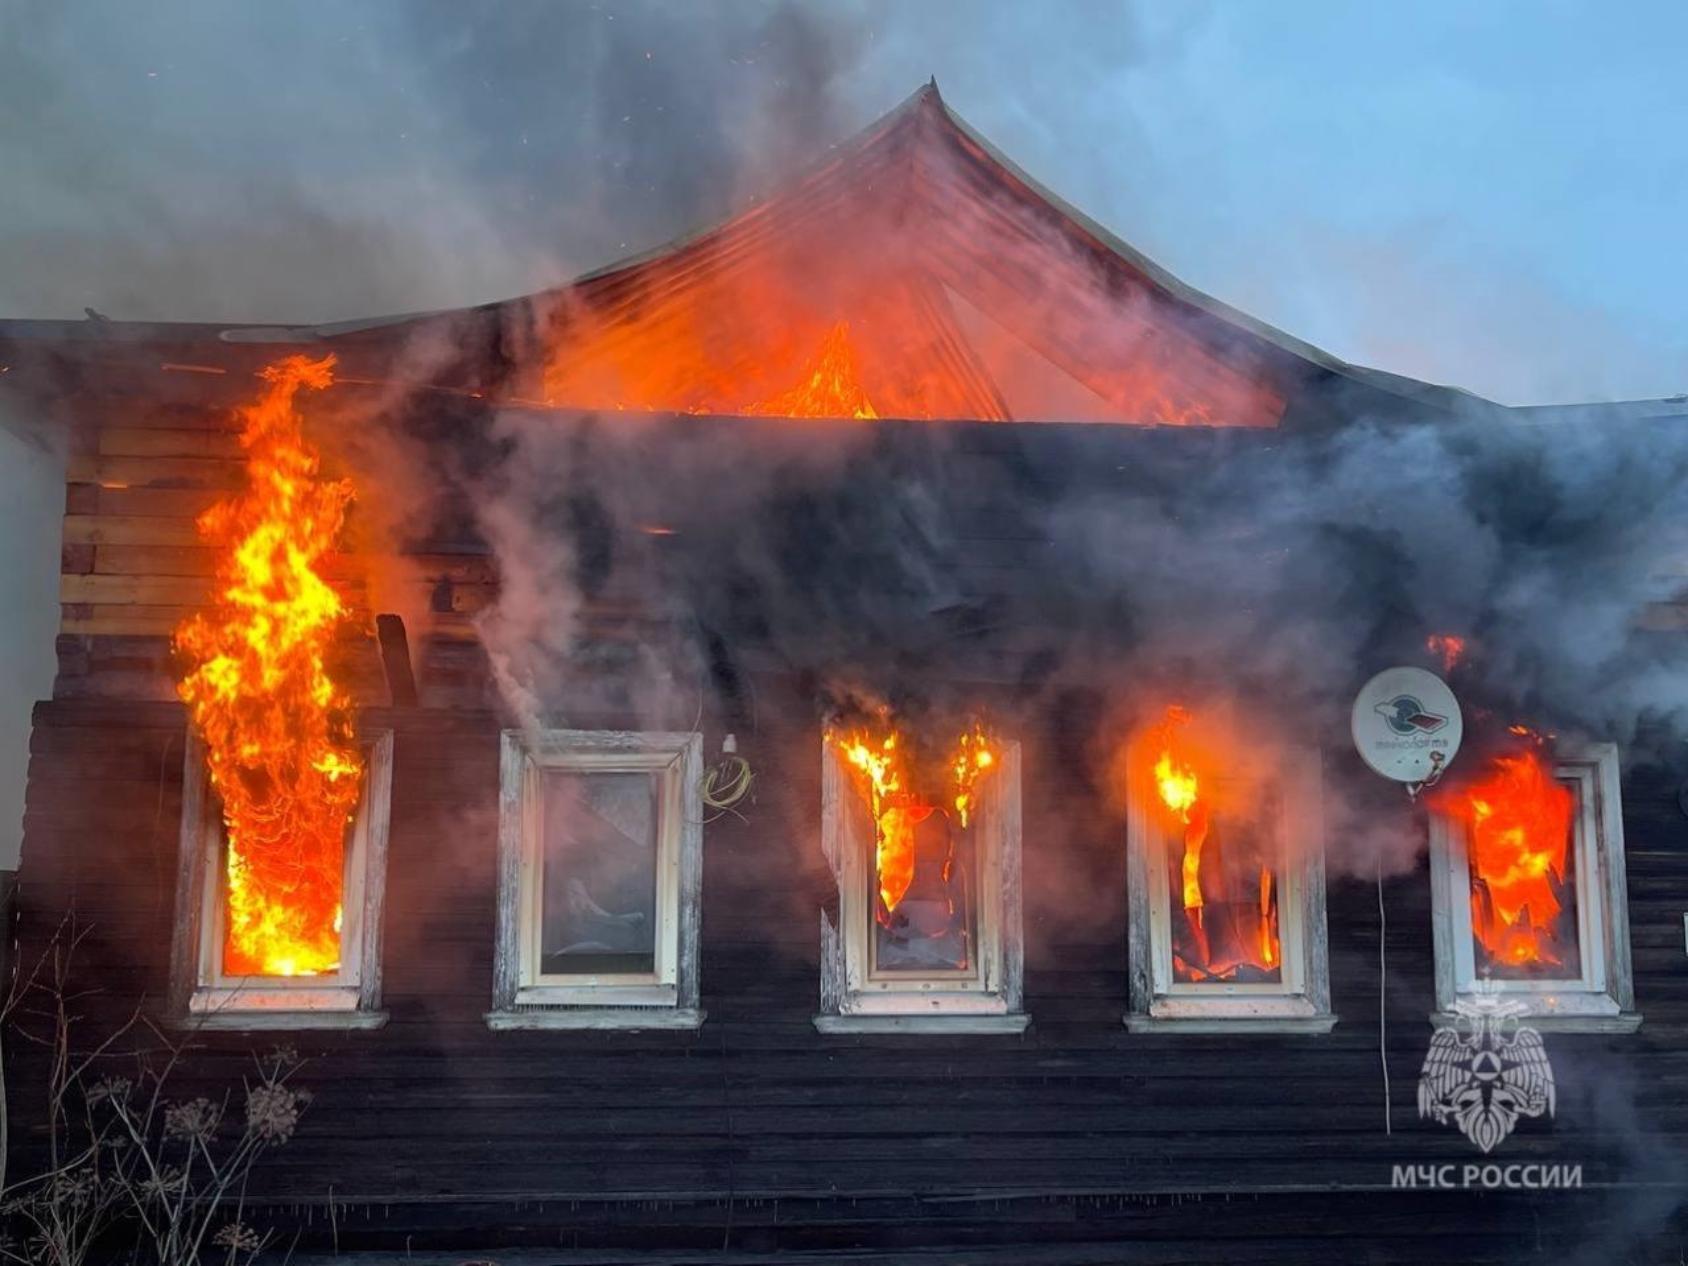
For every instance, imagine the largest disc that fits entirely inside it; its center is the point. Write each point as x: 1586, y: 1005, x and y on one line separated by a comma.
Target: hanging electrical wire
x: 727, y: 782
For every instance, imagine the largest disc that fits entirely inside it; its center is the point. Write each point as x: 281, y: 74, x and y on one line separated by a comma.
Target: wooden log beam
x: 395, y: 660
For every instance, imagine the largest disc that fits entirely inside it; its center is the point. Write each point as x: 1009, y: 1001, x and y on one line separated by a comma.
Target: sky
x: 1490, y: 195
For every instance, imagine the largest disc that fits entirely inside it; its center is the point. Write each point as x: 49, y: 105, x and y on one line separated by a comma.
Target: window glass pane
x: 1524, y: 886
x: 599, y: 851
x: 933, y: 925
x: 1223, y: 870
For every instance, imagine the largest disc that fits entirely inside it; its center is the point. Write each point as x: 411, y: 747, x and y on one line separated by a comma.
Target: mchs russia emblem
x: 1485, y: 1072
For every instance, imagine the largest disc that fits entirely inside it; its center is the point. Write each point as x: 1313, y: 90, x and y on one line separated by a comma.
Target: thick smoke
x: 208, y: 163
x: 1264, y: 574
x: 1291, y: 565
x: 196, y: 161
x: 1290, y: 573
x: 1268, y: 576
x: 1271, y: 578
x: 558, y: 556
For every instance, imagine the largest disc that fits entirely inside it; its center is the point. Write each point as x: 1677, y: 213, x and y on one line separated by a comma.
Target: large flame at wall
x: 276, y: 728
x: 898, y: 807
x: 1518, y: 820
x: 1248, y: 941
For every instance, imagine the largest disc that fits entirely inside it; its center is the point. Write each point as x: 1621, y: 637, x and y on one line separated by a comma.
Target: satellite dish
x: 1407, y: 725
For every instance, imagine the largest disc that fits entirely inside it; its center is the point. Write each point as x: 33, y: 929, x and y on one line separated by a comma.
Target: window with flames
x: 292, y: 944
x: 1226, y: 877
x: 600, y: 860
x: 284, y: 817
x: 1529, y: 893
x: 925, y: 845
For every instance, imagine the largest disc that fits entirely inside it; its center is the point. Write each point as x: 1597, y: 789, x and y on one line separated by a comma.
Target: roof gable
x: 874, y: 242
x: 915, y: 273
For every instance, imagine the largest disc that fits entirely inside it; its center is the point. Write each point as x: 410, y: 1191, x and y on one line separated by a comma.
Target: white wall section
x: 32, y: 475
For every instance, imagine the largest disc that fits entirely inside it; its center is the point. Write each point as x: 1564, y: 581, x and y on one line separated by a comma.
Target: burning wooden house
x: 706, y: 758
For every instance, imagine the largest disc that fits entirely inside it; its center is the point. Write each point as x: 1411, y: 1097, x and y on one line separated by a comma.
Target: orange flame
x: 893, y: 824
x: 1518, y: 820
x: 973, y: 758
x: 1180, y: 791
x: 278, y: 743
x: 1179, y: 787
x: 1449, y: 647
x: 830, y: 386
x: 898, y: 808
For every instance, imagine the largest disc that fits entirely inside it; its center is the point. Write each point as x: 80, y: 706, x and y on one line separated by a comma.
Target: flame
x: 893, y: 821
x: 952, y: 314
x: 830, y: 386
x: 1449, y: 647
x: 278, y: 744
x: 1179, y: 788
x: 898, y: 808
x: 1518, y: 819
x: 1180, y: 791
x: 973, y: 758
x: 1177, y: 785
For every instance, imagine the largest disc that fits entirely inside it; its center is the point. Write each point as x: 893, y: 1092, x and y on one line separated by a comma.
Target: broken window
x: 224, y: 980
x: 926, y: 854
x: 1528, y: 888
x: 1225, y: 866
x: 600, y: 838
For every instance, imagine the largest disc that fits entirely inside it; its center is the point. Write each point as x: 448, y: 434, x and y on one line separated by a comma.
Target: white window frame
x: 1601, y: 998
x: 202, y: 994
x: 1297, y: 1003
x: 665, y: 997
x: 984, y: 999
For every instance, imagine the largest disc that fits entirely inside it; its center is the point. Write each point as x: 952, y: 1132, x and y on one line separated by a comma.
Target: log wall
x: 1075, y: 1142
x: 758, y: 1131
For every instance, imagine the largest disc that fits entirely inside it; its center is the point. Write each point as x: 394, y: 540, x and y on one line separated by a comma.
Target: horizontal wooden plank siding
x: 162, y: 472
x: 123, y: 441
x: 760, y: 1129
x: 1076, y: 1141
x: 129, y: 530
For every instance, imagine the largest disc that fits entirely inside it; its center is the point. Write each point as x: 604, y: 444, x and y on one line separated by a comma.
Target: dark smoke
x: 284, y: 164
x: 210, y: 163
x: 1269, y: 574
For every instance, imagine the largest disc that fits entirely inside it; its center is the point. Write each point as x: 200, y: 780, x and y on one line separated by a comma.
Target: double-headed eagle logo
x: 1485, y: 1072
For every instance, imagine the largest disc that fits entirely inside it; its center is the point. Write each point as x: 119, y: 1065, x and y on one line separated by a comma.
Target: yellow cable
x: 727, y: 782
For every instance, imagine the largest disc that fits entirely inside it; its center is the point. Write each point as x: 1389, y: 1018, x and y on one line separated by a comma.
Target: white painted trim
x: 595, y: 1018
x: 1230, y: 1024
x: 1300, y: 1001
x: 524, y: 997
x: 288, y: 1021
x: 202, y: 995
x: 947, y: 1023
x: 1600, y: 997
x: 983, y: 998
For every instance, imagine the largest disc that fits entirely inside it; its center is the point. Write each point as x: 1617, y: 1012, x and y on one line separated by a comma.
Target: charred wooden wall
x: 1075, y: 1142
x: 757, y: 1130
